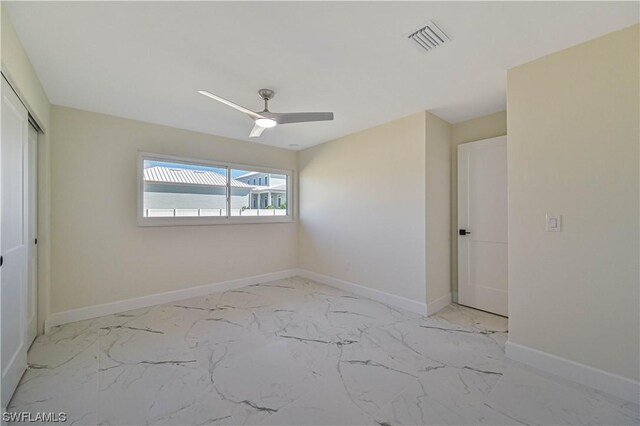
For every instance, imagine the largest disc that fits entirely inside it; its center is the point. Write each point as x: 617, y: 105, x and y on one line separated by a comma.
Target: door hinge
x: 36, y: 241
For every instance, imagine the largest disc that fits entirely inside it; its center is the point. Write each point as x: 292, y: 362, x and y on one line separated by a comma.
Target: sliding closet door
x: 13, y: 240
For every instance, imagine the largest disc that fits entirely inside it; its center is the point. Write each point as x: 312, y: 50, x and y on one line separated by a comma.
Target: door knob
x: 464, y: 232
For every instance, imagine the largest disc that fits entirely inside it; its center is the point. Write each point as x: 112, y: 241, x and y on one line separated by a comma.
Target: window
x: 179, y: 191
x: 262, y: 202
x: 266, y: 181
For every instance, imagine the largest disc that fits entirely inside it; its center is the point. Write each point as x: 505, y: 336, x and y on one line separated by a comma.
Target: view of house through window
x: 268, y: 195
x: 176, y: 189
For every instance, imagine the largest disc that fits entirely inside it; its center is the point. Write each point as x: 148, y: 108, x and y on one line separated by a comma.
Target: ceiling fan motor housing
x: 266, y: 94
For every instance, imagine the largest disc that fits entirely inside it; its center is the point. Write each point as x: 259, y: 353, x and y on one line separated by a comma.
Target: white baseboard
x: 96, y: 311
x: 377, y: 295
x: 438, y: 304
x: 594, y: 378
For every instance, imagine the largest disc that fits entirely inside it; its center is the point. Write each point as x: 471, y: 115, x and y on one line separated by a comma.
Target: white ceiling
x: 146, y: 60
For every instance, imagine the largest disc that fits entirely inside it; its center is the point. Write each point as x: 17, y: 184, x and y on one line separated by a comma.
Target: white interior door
x: 32, y: 226
x: 13, y: 240
x: 482, y: 225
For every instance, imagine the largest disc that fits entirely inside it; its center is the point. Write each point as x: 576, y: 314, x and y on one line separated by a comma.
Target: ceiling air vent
x: 429, y: 37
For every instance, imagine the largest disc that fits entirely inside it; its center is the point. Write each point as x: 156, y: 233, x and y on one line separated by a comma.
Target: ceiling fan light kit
x: 267, y: 123
x: 265, y: 119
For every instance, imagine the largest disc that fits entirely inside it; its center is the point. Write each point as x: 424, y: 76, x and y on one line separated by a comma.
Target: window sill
x: 202, y: 221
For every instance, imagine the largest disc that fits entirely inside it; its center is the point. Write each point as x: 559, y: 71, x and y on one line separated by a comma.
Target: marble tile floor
x: 295, y: 352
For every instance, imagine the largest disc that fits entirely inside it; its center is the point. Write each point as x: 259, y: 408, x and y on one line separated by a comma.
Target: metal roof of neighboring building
x: 189, y: 177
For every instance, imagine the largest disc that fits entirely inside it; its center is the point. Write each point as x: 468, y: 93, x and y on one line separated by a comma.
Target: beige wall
x: 485, y: 127
x: 18, y: 70
x: 21, y: 74
x: 574, y: 150
x: 438, y: 163
x: 362, y: 208
x: 100, y: 255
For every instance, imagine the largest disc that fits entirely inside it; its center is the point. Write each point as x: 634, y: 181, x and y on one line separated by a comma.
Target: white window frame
x: 210, y: 220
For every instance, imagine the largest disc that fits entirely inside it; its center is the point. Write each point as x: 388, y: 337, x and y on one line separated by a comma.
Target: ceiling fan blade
x: 301, y: 117
x: 257, y: 131
x: 231, y: 104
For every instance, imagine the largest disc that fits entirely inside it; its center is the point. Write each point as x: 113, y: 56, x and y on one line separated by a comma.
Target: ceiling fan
x: 266, y: 119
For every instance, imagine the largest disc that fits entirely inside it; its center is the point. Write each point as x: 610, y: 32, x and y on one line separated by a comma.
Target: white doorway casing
x: 32, y: 235
x: 482, y: 215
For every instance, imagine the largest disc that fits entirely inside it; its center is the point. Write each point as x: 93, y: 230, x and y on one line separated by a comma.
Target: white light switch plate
x: 554, y: 222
